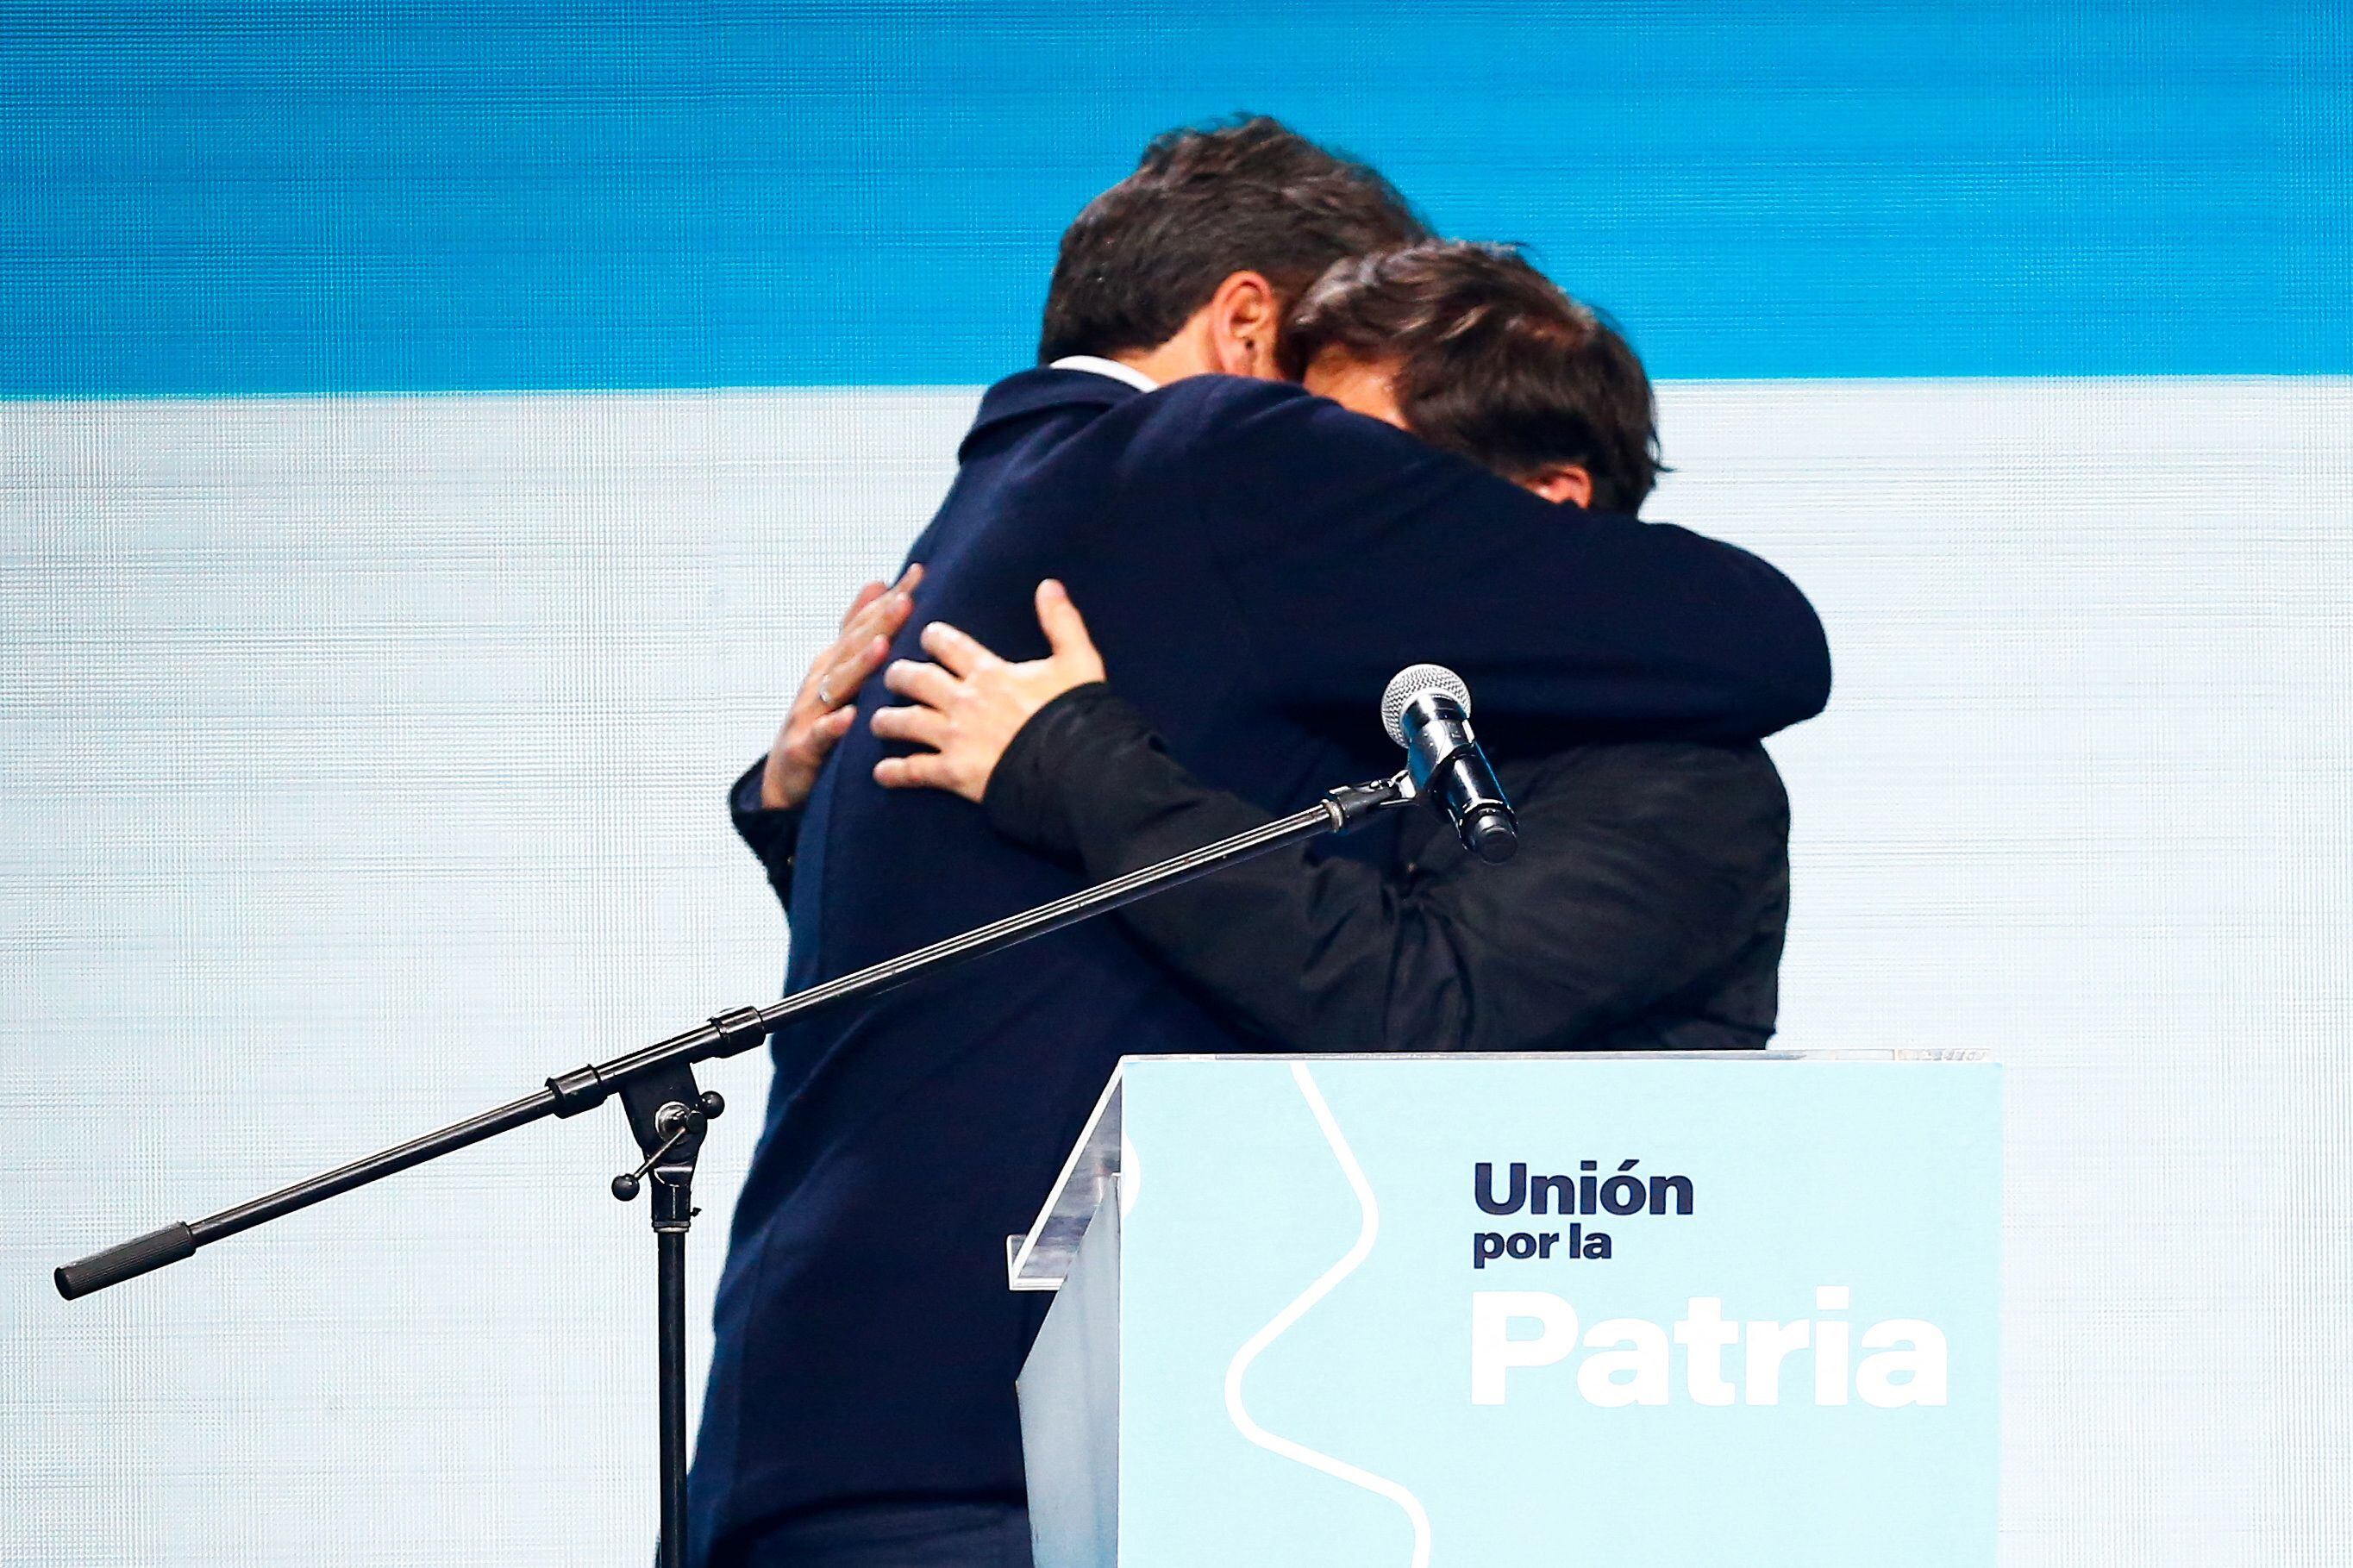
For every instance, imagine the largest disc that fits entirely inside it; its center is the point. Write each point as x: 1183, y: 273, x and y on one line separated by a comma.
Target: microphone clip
x: 1353, y: 806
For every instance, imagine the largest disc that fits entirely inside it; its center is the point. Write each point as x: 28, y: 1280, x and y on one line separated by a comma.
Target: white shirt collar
x: 1110, y: 367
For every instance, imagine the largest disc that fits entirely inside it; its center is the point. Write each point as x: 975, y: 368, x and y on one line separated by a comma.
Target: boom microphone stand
x: 669, y: 1114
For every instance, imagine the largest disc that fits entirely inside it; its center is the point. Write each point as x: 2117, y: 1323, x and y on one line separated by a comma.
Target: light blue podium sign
x: 1490, y: 1311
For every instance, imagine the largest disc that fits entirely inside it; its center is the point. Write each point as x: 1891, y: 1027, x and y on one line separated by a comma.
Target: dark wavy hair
x: 1493, y: 361
x: 1247, y: 195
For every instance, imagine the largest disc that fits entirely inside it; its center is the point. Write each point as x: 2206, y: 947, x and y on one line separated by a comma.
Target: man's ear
x: 1563, y: 482
x: 1242, y: 319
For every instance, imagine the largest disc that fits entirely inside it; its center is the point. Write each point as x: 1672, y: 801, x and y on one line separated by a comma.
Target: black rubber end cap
x: 140, y: 1255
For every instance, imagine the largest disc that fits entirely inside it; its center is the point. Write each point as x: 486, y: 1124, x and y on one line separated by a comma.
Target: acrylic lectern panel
x: 1666, y: 1310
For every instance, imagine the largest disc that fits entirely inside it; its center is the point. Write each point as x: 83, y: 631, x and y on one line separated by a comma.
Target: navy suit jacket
x: 1254, y: 563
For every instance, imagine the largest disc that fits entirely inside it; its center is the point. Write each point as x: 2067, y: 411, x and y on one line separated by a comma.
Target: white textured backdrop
x: 364, y: 764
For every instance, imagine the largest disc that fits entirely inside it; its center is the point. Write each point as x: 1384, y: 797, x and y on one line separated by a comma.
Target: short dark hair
x: 1493, y: 362
x: 1247, y: 195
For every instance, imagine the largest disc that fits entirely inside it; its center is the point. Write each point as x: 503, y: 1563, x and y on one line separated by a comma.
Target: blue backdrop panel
x: 206, y: 198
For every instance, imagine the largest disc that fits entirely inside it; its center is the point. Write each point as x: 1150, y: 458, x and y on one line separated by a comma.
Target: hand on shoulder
x: 968, y: 707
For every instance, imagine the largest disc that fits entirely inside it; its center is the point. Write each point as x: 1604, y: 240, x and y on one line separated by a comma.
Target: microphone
x: 1427, y: 709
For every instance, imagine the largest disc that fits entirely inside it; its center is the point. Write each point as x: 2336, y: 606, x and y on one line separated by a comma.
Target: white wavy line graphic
x: 1299, y: 1453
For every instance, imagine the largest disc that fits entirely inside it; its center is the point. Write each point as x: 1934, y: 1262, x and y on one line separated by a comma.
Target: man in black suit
x: 1261, y: 561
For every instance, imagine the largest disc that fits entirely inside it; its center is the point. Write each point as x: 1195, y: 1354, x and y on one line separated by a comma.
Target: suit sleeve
x: 1602, y: 914
x: 1353, y: 550
x: 773, y: 835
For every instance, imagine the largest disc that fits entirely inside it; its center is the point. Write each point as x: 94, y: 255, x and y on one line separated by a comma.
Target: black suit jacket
x: 1255, y: 562
x: 1645, y: 909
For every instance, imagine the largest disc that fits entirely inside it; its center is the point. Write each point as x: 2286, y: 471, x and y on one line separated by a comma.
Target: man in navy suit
x: 1649, y: 902
x: 1263, y: 560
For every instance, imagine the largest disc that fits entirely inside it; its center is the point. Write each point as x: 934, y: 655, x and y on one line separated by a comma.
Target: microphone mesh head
x: 1420, y: 680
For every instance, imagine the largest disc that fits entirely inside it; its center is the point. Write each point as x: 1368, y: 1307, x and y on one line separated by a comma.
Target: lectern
x: 1488, y: 1312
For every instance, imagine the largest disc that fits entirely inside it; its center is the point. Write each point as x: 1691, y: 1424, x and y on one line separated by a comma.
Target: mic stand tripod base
x: 668, y: 1115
